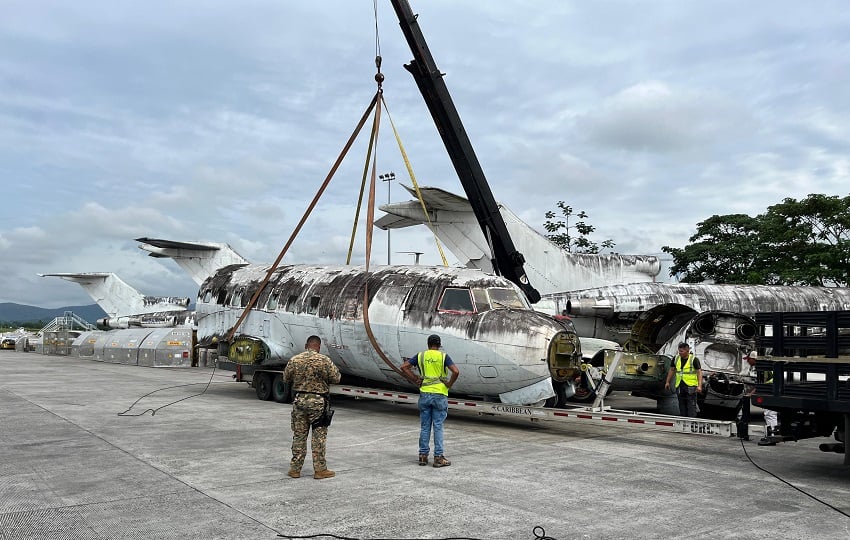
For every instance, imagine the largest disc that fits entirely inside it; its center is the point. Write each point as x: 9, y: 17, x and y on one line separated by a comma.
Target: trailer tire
x: 281, y: 390
x: 584, y: 391
x: 263, y: 386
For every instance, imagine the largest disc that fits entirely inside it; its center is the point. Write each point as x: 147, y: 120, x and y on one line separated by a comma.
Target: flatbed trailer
x: 806, y: 375
x: 268, y: 383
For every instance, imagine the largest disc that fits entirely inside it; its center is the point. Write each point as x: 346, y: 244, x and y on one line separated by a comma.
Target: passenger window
x: 482, y: 303
x: 236, y: 301
x: 349, y: 310
x: 456, y: 300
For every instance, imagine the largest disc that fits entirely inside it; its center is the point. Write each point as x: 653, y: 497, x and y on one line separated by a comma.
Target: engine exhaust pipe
x: 704, y: 325
x: 746, y: 331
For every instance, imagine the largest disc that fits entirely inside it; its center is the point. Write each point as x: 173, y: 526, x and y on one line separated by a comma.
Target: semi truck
x: 804, y: 375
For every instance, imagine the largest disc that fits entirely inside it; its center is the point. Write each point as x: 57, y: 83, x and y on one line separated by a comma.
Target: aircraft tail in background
x: 117, y: 298
x: 199, y: 259
x: 549, y: 267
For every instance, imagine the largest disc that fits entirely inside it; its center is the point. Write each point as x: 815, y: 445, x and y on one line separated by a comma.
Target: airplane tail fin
x: 550, y: 268
x: 117, y: 298
x: 198, y: 259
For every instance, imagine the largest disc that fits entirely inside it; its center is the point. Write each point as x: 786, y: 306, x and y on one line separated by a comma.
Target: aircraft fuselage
x: 496, y: 340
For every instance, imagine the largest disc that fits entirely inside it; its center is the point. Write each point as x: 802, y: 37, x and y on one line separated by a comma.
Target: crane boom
x: 507, y: 261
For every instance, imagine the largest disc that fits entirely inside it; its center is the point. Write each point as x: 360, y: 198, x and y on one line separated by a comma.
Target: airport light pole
x: 388, y: 178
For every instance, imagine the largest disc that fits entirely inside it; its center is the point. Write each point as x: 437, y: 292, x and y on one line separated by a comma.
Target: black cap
x: 433, y: 339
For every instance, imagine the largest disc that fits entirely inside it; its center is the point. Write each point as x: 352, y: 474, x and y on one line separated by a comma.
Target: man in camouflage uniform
x: 310, y: 374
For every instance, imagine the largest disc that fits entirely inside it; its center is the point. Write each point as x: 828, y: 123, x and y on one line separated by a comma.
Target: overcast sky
x: 218, y: 121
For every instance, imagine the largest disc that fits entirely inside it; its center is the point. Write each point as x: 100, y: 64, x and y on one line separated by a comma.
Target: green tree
x: 807, y: 242
x: 803, y: 242
x: 561, y: 232
x: 723, y: 250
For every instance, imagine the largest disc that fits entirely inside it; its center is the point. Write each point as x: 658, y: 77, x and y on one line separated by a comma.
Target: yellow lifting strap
x: 413, y: 180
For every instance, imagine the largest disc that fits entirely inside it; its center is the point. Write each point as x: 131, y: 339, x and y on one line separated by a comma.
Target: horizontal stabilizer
x: 198, y: 259
x: 172, y: 244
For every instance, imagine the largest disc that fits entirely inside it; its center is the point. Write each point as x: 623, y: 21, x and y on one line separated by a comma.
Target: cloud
x: 221, y: 123
x: 653, y: 117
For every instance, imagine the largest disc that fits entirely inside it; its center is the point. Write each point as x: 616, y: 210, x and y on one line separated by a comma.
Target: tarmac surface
x: 214, y: 466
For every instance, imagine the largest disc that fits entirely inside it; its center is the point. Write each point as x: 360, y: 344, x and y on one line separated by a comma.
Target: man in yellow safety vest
x: 434, y: 383
x: 688, y: 372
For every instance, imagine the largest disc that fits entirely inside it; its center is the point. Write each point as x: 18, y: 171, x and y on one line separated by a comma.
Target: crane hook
x: 379, y: 77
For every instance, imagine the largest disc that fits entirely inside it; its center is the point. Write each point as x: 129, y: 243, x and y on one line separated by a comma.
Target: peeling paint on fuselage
x: 165, y: 301
x: 634, y: 298
x: 497, y: 350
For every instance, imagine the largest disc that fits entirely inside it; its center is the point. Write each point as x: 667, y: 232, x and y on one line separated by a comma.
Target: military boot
x: 321, y: 475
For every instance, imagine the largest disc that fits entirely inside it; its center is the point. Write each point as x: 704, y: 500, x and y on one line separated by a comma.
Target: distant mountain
x: 10, y: 312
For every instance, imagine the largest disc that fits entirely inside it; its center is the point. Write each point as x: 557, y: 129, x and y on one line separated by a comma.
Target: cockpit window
x: 456, y: 299
x: 505, y: 298
x: 482, y: 301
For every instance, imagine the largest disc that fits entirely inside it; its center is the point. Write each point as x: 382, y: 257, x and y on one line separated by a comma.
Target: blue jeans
x: 433, y: 409
x: 687, y: 400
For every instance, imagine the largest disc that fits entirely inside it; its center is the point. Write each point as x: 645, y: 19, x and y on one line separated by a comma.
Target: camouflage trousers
x: 306, y: 409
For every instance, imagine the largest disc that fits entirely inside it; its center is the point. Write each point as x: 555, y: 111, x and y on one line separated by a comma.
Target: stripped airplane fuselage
x: 499, y: 344
x: 720, y: 339
x: 628, y: 301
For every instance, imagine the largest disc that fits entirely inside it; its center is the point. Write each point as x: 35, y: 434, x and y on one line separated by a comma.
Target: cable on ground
x: 759, y: 467
x: 153, y: 411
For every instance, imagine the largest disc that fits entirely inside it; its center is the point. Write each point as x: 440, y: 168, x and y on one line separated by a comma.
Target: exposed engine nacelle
x: 137, y: 321
x: 113, y: 324
x: 584, y: 307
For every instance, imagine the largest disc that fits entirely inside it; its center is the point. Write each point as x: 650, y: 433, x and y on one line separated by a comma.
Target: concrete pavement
x: 214, y: 466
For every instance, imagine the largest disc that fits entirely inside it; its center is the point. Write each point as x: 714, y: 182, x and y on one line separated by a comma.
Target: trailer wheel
x: 263, y: 386
x: 585, y: 391
x: 281, y: 391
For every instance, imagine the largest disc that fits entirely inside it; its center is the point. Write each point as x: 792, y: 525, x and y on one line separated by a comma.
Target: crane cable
x: 379, y: 77
x: 375, y: 105
x: 312, y: 205
x: 370, y: 209
x: 369, y: 150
